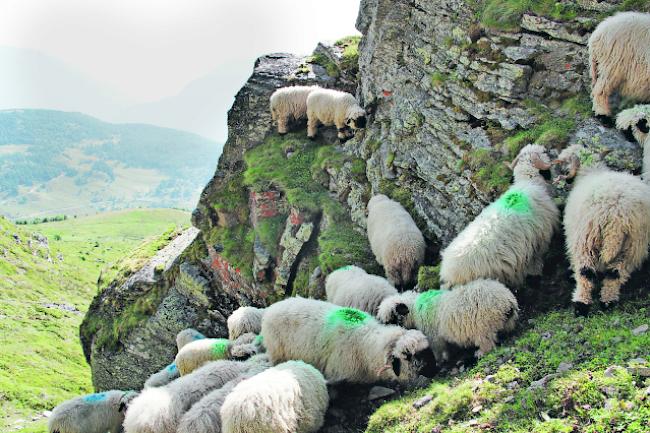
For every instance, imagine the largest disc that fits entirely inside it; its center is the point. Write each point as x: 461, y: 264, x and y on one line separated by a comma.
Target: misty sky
x: 145, y: 50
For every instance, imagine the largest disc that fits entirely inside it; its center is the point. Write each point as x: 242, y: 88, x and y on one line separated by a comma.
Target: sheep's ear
x: 397, y: 366
x: 122, y: 407
x: 642, y: 125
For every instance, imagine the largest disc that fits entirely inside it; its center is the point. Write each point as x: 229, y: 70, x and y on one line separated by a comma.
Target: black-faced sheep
x: 244, y: 320
x: 290, y: 397
x: 395, y: 240
x: 508, y: 239
x: 333, y: 107
x: 197, y: 353
x: 471, y: 315
x: 352, y: 287
x: 345, y: 344
x: 289, y: 104
x: 619, y: 59
x: 95, y: 413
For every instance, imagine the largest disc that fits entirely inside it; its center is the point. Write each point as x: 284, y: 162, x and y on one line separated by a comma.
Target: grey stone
x: 640, y: 330
x: 564, y: 367
x: 423, y: 401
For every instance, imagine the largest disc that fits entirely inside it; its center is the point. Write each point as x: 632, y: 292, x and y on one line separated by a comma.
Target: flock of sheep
x: 271, y: 374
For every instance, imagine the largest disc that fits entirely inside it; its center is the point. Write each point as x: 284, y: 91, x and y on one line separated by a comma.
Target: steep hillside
x: 68, y: 163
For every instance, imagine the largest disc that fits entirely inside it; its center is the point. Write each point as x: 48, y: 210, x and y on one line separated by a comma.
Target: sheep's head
x: 394, y: 310
x: 355, y: 118
x: 532, y: 162
x: 569, y: 162
x: 635, y: 120
x: 379, y: 198
x: 410, y: 356
x: 187, y: 336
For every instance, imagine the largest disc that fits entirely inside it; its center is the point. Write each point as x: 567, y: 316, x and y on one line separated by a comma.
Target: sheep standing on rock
x: 352, y: 287
x: 468, y: 316
x: 289, y: 104
x: 244, y: 320
x: 345, y: 344
x: 290, y: 397
x: 187, y: 336
x: 395, y: 240
x: 508, y: 239
x: 199, y: 352
x: 94, y: 413
x: 619, y: 59
x: 333, y: 107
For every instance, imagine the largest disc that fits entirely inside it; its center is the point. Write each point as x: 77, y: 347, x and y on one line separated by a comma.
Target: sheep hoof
x: 606, y: 306
x: 581, y: 309
x: 312, y: 138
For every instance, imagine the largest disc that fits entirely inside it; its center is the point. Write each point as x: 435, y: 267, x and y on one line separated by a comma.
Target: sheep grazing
x: 187, y: 336
x: 333, y: 107
x: 159, y: 410
x: 619, y: 59
x: 352, y: 287
x: 395, y: 240
x: 163, y: 377
x: 508, y: 239
x: 290, y: 397
x: 94, y: 413
x: 469, y: 316
x: 289, y: 104
x: 607, y: 225
x: 244, y: 320
x: 637, y: 121
x: 345, y: 344
x: 199, y: 352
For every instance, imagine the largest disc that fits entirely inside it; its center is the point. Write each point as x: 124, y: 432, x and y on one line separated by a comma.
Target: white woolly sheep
x: 163, y: 377
x: 637, y: 121
x: 197, y: 353
x: 290, y: 397
x: 187, y: 336
x: 333, y: 107
x: 244, y: 320
x: 607, y: 227
x: 619, y: 59
x: 289, y: 104
x: 395, y: 240
x: 159, y: 410
x: 352, y: 287
x: 95, y: 413
x: 508, y: 239
x: 345, y: 344
x: 469, y: 316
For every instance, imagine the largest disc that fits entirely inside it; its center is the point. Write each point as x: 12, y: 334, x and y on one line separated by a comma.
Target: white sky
x: 149, y: 49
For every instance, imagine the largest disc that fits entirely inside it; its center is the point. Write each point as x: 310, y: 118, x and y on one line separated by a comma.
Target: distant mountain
x: 55, y: 162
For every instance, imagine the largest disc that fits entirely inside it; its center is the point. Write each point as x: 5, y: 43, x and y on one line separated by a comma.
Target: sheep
x: 290, y: 397
x: 471, y: 315
x: 395, y: 240
x: 636, y: 120
x: 187, y: 336
x: 351, y: 286
x: 508, y: 239
x: 198, y: 352
x: 345, y: 344
x: 159, y: 410
x: 333, y: 107
x: 289, y: 104
x: 607, y: 225
x: 619, y: 59
x: 244, y: 320
x: 163, y: 377
x: 93, y: 413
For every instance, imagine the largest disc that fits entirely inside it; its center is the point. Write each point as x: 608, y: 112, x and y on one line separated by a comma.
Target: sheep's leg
x: 283, y: 124
x: 600, y: 96
x: 536, y: 266
x: 612, y: 283
x: 485, y: 344
x: 312, y: 127
x: 586, y: 281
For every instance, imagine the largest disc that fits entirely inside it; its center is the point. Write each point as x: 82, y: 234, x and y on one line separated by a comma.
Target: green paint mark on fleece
x: 344, y: 268
x: 514, y: 201
x: 220, y: 348
x: 347, y: 317
x: 426, y: 300
x: 259, y: 339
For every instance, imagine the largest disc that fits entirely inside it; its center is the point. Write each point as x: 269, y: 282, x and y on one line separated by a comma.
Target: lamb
x: 187, y: 336
x: 508, y: 239
x: 333, y: 107
x: 395, y: 240
x: 290, y: 397
x: 619, y: 59
x: 159, y: 410
x: 352, y: 287
x: 244, y: 320
x: 163, y: 377
x: 198, y: 352
x: 471, y: 315
x: 289, y: 104
x: 607, y: 224
x: 345, y: 344
x: 94, y: 413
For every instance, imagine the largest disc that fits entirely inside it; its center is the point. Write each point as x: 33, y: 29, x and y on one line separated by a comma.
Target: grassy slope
x: 41, y: 362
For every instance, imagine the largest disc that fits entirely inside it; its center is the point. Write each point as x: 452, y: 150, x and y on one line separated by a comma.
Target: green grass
x: 495, y: 394
x: 350, y: 57
x: 506, y: 14
x: 41, y: 361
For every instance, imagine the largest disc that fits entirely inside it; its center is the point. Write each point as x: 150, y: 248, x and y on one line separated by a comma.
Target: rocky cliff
x: 455, y: 88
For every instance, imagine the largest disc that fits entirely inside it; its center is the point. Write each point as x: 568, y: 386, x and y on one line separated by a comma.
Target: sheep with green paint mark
x: 345, y: 344
x: 471, y: 315
x: 351, y: 286
x: 508, y: 239
x: 163, y: 377
x: 199, y: 352
x: 244, y: 320
x: 94, y: 413
x: 187, y: 336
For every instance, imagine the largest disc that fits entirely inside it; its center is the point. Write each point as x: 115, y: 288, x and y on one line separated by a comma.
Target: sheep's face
x: 357, y: 122
x: 411, y: 357
x: 532, y: 162
x: 635, y: 120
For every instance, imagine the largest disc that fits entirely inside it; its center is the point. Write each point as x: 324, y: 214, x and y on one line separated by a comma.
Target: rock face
x: 450, y: 99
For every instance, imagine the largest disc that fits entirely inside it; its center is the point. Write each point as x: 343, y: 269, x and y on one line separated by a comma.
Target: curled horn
x: 574, y: 165
x: 514, y: 162
x: 538, y: 163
